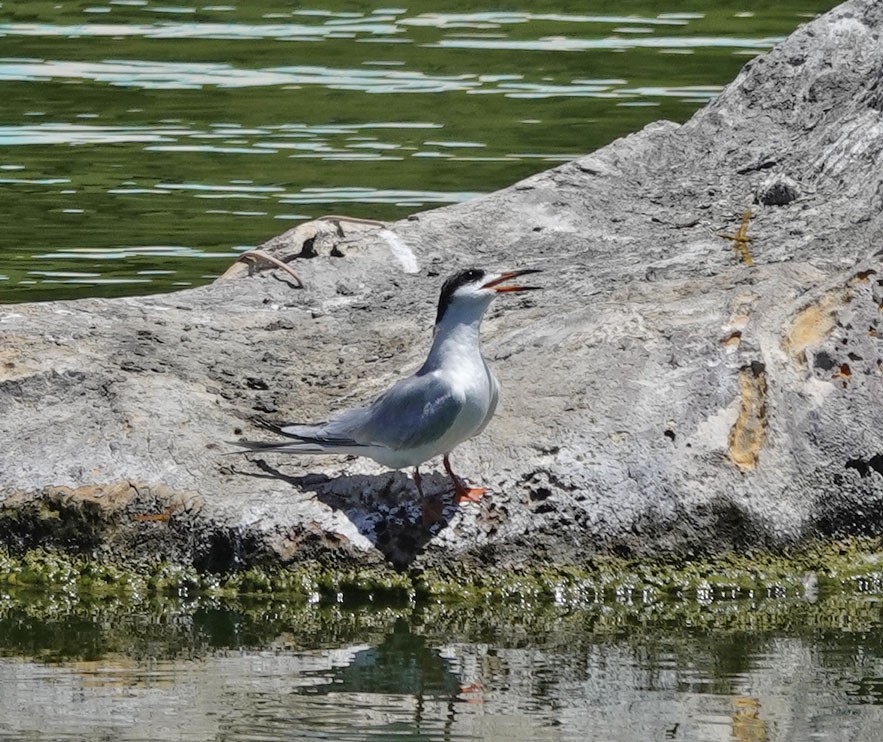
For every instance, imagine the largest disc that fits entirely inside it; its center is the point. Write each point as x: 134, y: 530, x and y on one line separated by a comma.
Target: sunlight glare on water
x: 132, y: 124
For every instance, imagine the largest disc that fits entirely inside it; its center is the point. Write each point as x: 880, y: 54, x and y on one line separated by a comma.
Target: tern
x: 451, y: 398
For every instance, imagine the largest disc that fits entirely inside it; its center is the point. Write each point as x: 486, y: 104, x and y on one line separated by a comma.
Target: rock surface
x: 703, y: 372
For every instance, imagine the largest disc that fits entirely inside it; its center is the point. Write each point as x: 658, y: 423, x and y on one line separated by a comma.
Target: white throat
x: 457, y: 337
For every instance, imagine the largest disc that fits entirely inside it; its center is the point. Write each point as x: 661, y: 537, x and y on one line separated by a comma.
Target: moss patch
x: 55, y: 606
x: 851, y: 566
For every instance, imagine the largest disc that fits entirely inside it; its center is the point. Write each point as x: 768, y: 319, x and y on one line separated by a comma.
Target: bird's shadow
x: 385, y: 508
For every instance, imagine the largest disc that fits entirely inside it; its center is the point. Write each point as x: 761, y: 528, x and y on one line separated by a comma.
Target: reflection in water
x: 748, y: 726
x: 401, y: 685
x: 402, y: 664
x: 768, y: 670
x: 130, y: 124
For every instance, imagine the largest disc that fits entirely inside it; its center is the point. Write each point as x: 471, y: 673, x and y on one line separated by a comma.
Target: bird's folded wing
x: 413, y: 412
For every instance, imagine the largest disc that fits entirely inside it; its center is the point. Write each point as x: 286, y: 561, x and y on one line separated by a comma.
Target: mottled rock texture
x: 694, y: 378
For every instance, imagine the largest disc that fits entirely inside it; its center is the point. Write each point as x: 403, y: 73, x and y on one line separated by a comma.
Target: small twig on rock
x: 353, y: 219
x: 255, y: 255
x: 336, y: 219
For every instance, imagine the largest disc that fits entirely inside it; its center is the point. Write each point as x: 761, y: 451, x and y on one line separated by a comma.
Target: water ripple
x: 183, y: 76
x: 51, y: 133
x: 500, y: 19
x: 223, y: 31
x: 618, y: 43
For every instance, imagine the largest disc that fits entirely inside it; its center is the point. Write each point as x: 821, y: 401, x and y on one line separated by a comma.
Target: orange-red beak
x: 495, y: 284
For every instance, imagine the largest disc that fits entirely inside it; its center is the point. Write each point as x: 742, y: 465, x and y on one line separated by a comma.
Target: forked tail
x: 310, y: 440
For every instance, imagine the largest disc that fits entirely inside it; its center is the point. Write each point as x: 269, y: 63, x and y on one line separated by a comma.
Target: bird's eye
x: 474, y: 275
x: 466, y: 277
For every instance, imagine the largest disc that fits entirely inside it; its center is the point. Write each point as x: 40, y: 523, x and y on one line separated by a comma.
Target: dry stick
x: 353, y: 219
x: 261, y: 255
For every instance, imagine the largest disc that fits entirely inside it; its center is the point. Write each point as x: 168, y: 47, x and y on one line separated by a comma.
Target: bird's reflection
x: 402, y: 664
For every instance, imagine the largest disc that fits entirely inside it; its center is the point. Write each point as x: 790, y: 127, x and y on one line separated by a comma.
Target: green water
x: 145, y: 143
x: 165, y: 669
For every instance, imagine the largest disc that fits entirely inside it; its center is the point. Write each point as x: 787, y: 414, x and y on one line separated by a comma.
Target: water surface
x: 201, y: 670
x: 145, y: 143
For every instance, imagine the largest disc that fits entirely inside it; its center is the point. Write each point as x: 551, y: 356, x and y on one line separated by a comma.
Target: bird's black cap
x: 476, y: 275
x: 461, y: 278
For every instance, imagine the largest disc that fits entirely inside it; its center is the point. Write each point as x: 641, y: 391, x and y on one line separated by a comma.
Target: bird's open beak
x: 495, y: 284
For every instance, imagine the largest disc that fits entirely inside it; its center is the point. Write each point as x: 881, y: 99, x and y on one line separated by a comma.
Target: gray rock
x: 660, y: 397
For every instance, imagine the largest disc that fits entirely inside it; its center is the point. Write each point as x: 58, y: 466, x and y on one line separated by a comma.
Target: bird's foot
x: 465, y: 493
x: 462, y: 491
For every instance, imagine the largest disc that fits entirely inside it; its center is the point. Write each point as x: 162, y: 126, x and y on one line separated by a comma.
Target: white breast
x: 478, y: 388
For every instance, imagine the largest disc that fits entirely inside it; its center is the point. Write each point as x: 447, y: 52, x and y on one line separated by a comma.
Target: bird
x: 448, y: 400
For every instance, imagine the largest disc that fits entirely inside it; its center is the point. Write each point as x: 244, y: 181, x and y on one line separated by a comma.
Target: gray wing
x: 411, y: 413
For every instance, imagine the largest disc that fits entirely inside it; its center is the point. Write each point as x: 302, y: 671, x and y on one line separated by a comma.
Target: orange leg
x: 463, y: 492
